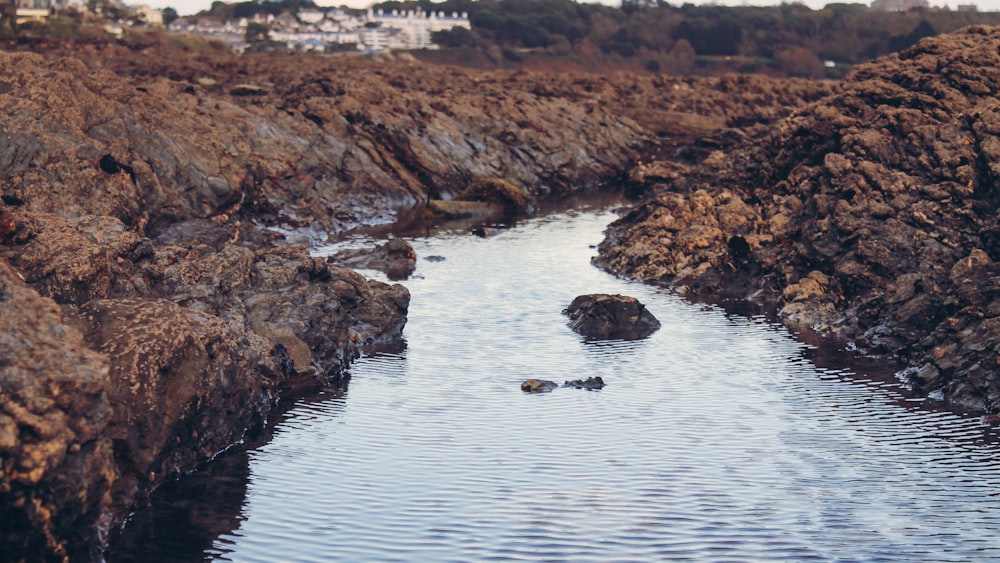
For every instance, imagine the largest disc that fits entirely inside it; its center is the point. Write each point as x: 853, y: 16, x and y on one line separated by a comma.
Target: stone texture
x: 871, y: 213
x: 607, y: 317
x: 56, y: 460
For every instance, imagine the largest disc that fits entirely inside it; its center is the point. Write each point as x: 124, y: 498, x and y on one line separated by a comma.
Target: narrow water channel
x: 716, y: 439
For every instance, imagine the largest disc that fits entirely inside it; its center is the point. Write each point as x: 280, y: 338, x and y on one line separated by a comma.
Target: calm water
x: 716, y: 439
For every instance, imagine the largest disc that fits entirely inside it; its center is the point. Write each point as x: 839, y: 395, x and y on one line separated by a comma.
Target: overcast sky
x: 185, y: 7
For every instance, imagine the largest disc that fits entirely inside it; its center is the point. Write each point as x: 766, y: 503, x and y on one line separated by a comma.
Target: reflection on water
x: 717, y: 438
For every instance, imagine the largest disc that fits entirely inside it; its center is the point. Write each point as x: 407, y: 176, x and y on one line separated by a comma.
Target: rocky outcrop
x: 333, y: 143
x: 610, y: 317
x: 196, y: 338
x: 56, y: 465
x: 872, y: 213
x: 156, y: 290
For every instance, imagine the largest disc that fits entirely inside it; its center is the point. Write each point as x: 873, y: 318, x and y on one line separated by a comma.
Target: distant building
x: 311, y: 16
x: 415, y: 27
x: 968, y: 8
x: 150, y: 16
x: 899, y: 5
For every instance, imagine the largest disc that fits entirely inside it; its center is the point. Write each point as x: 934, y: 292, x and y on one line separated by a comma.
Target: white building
x: 373, y: 39
x: 311, y: 16
x: 150, y: 16
x: 416, y: 27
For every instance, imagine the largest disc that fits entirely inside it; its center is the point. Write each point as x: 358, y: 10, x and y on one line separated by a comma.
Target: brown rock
x: 886, y: 187
x: 608, y: 317
x: 56, y: 460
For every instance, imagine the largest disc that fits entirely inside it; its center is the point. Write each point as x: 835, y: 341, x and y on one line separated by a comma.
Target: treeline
x: 790, y: 38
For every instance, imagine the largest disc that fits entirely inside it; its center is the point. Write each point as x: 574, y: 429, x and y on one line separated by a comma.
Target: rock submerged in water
x: 610, y: 317
x: 545, y: 386
x: 538, y: 386
x: 590, y: 384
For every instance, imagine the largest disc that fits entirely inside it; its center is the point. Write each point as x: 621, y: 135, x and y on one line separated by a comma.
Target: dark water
x: 717, y: 439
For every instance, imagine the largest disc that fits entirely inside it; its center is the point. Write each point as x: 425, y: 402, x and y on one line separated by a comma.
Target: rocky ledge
x: 871, y: 213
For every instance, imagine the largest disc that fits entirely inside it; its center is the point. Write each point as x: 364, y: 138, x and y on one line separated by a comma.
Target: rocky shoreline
x: 871, y: 214
x: 157, y: 295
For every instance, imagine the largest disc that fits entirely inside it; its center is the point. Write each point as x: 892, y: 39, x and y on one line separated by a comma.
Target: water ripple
x: 716, y: 439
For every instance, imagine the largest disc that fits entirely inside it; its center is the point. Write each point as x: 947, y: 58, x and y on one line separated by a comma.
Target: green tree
x: 169, y: 15
x: 680, y: 58
x: 455, y: 37
x: 257, y: 33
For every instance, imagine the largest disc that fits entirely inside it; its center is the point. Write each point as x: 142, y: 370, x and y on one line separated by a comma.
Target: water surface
x: 716, y: 439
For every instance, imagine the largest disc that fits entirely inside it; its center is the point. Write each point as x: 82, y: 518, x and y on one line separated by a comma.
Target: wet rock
x: 513, y: 199
x: 454, y: 209
x: 395, y: 257
x: 182, y: 386
x: 870, y: 213
x: 538, y: 386
x: 590, y: 384
x: 605, y: 317
x: 197, y: 339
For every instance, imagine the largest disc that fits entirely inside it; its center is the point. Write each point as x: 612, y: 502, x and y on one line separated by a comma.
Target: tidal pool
x: 718, y: 438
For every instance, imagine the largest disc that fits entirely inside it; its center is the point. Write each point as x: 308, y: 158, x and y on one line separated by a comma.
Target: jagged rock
x: 871, y: 213
x: 56, y: 458
x: 606, y: 317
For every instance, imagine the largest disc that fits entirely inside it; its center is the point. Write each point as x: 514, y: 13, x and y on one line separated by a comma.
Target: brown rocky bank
x: 872, y: 214
x: 155, y: 294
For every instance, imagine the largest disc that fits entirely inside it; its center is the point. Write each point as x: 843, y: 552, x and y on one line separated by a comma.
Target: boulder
x: 610, y: 317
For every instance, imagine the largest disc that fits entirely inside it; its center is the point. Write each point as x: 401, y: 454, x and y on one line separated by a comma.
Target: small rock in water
x: 538, y: 386
x: 607, y: 317
x: 590, y: 384
x: 434, y: 258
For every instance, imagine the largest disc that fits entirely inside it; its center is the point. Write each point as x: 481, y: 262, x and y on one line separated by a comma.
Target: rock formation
x: 872, y: 213
x: 156, y: 206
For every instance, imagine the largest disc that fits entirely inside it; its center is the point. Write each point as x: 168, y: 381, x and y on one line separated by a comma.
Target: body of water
x: 716, y: 439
